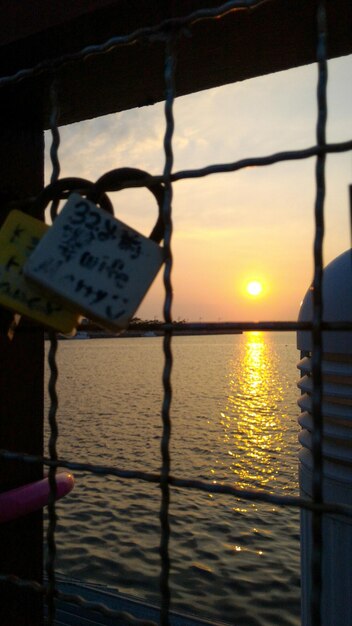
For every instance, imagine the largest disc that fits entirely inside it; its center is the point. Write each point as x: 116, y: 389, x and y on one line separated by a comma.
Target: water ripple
x: 234, y: 419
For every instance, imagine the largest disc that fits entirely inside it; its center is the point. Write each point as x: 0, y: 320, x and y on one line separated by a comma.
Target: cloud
x: 128, y: 139
x: 225, y: 223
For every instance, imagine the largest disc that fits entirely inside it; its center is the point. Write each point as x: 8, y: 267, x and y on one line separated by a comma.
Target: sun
x: 254, y: 288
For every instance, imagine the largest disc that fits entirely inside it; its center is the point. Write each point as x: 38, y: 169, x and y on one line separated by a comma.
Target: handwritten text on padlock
x: 19, y: 236
x: 96, y: 263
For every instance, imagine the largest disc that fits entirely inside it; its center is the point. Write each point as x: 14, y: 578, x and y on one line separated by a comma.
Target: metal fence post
x: 21, y: 387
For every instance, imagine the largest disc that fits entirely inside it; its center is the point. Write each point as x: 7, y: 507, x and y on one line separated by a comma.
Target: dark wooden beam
x: 276, y: 36
x: 21, y: 388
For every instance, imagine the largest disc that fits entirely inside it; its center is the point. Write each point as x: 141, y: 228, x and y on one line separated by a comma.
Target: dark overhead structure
x: 274, y: 36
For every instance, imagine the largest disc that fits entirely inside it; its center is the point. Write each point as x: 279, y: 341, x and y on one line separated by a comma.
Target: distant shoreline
x: 101, y: 334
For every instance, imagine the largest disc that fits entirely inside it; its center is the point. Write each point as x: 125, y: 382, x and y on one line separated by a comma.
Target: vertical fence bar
x: 21, y: 377
x: 51, y: 543
x: 166, y: 420
x: 317, y: 434
x: 54, y: 432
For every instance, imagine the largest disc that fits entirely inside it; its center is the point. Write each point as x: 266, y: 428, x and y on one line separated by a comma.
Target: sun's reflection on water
x: 251, y: 420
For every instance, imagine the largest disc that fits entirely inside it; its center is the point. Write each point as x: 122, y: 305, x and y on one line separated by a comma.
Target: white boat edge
x: 72, y: 614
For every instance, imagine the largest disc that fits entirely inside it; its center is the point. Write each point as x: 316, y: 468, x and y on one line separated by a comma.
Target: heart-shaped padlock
x: 95, y: 263
x: 61, y: 189
x: 19, y: 235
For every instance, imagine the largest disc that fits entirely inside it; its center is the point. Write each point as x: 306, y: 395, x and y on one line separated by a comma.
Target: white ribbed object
x: 337, y: 445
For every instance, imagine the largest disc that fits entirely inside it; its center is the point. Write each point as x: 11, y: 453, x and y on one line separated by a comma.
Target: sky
x: 229, y: 229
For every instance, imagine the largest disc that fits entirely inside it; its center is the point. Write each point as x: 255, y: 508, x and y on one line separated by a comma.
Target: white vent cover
x: 336, y: 415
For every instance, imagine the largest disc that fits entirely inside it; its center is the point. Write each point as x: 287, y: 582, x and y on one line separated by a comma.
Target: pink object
x: 31, y: 497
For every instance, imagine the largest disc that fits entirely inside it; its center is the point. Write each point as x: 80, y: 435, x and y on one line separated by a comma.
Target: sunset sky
x: 230, y: 229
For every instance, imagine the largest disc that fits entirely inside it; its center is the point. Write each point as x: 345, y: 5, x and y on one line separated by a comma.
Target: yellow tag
x: 19, y: 236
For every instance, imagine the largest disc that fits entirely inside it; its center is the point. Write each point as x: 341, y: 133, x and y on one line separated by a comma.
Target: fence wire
x: 166, y: 32
x: 53, y: 426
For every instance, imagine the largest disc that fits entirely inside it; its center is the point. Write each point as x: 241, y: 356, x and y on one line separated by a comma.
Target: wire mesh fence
x: 168, y: 31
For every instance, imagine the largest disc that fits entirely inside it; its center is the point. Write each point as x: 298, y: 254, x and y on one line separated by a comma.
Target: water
x: 234, y: 420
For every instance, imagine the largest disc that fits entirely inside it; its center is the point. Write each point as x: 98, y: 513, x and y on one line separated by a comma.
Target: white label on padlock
x: 96, y: 263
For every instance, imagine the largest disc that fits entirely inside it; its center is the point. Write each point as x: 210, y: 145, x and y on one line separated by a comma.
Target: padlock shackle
x: 120, y: 178
x: 61, y: 189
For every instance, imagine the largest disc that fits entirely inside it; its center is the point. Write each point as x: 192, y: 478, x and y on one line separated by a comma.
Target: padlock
x: 61, y: 189
x: 95, y: 263
x: 19, y: 235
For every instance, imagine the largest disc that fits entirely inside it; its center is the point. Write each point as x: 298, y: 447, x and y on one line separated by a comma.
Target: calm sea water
x: 234, y: 420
